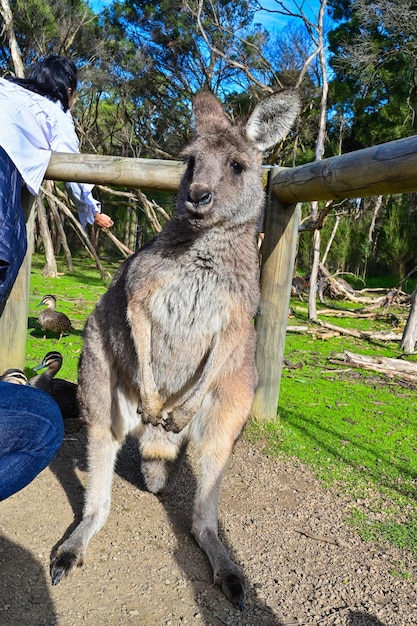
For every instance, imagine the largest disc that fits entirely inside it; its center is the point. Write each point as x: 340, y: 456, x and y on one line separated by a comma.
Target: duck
x: 52, y: 320
x: 15, y: 376
x: 63, y: 391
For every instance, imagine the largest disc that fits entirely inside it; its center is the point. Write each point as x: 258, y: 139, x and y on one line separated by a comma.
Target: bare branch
x: 222, y: 55
x: 149, y: 207
x: 78, y: 229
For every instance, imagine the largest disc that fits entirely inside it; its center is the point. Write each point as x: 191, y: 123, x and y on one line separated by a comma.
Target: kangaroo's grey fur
x: 169, y: 351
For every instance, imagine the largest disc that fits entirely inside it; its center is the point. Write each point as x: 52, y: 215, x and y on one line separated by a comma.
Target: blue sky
x: 274, y: 21
x: 271, y: 21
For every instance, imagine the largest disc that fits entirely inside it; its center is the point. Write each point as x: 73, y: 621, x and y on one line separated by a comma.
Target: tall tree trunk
x: 50, y: 268
x: 7, y: 15
x: 48, y: 184
x: 133, y: 228
x: 312, y: 308
x: 321, y: 135
x: 370, y: 249
x: 332, y: 236
x: 375, y: 212
x: 81, y: 234
x: 410, y: 332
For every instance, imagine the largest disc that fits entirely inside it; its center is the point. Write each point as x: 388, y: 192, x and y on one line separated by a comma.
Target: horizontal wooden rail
x: 385, y: 169
x: 389, y: 168
x: 110, y: 170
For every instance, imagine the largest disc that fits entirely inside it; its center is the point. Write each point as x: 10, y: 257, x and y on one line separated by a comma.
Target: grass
x: 76, y: 295
x: 356, y: 429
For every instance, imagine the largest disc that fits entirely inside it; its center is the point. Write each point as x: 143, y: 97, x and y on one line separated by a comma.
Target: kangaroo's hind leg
x: 102, y: 405
x: 102, y: 452
x: 223, y: 415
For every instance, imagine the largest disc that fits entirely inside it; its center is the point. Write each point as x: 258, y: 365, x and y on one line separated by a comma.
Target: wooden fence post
x: 278, y: 256
x: 14, y: 317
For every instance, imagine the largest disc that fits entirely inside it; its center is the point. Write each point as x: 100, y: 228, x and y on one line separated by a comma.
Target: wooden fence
x: 385, y: 169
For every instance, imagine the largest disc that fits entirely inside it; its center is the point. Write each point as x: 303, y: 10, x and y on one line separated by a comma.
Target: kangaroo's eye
x: 236, y: 167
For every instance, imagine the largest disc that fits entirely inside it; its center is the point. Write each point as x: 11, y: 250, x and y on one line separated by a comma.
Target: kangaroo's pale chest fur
x: 188, y: 313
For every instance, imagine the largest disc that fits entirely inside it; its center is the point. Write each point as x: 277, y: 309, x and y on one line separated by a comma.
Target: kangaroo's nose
x: 199, y: 198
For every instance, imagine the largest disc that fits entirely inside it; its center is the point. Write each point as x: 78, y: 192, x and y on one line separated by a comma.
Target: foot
x: 62, y: 564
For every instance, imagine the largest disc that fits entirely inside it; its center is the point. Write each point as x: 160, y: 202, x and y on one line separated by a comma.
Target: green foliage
x: 44, y: 27
x: 373, y: 57
x: 397, y: 249
x: 392, y: 251
x: 176, y: 62
x: 140, y: 63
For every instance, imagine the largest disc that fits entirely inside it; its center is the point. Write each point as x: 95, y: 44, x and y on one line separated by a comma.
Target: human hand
x: 103, y: 221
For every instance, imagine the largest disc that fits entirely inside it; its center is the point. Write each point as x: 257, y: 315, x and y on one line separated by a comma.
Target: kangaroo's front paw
x: 177, y: 419
x: 150, y: 410
x: 148, y: 418
x: 63, y: 563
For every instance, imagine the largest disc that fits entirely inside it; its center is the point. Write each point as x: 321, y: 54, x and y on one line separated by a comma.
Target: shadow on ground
x: 23, y: 588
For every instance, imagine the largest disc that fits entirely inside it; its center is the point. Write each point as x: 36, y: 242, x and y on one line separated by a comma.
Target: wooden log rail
x: 118, y: 171
x: 389, y: 168
x: 385, y: 169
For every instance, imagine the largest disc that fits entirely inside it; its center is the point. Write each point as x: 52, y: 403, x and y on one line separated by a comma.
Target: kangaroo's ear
x: 272, y: 118
x: 208, y: 113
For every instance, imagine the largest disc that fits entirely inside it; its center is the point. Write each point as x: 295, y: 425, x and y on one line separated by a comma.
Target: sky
x: 274, y: 21
x: 270, y: 21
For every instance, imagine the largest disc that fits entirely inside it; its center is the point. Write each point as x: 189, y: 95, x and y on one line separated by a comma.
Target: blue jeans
x: 31, y: 432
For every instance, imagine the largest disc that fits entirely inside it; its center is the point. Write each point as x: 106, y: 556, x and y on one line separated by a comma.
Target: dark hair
x: 52, y: 77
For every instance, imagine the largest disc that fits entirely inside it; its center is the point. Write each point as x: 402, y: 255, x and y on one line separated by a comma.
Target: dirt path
x: 145, y: 569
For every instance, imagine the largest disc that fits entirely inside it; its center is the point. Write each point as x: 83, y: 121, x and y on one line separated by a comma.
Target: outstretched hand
x: 103, y: 221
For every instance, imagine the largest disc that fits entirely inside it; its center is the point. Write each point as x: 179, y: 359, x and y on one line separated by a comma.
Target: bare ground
x: 144, y: 568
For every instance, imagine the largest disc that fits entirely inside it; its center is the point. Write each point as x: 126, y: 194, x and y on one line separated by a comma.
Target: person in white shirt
x: 35, y: 120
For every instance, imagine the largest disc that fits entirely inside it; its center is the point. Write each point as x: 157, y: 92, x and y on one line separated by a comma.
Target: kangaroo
x: 299, y: 285
x: 169, y: 351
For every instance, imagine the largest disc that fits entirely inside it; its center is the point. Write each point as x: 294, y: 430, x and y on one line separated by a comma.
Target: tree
x: 373, y: 56
x: 35, y: 29
x: 9, y: 30
x: 44, y: 27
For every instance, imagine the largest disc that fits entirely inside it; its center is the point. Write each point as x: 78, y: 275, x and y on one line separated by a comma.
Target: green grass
x: 356, y: 429
x: 76, y: 295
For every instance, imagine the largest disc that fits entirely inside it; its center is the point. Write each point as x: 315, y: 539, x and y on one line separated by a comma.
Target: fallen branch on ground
x: 362, y: 334
x: 339, y: 330
x: 335, y: 541
x: 316, y: 332
x: 394, y: 368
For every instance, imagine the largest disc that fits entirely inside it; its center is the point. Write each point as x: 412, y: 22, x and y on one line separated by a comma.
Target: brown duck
x: 63, y: 391
x: 52, y: 320
x: 15, y: 376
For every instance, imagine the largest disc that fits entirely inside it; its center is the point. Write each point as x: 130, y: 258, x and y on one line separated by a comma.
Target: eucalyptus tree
x: 373, y: 54
x: 165, y: 59
x: 65, y: 27
x: 35, y: 29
